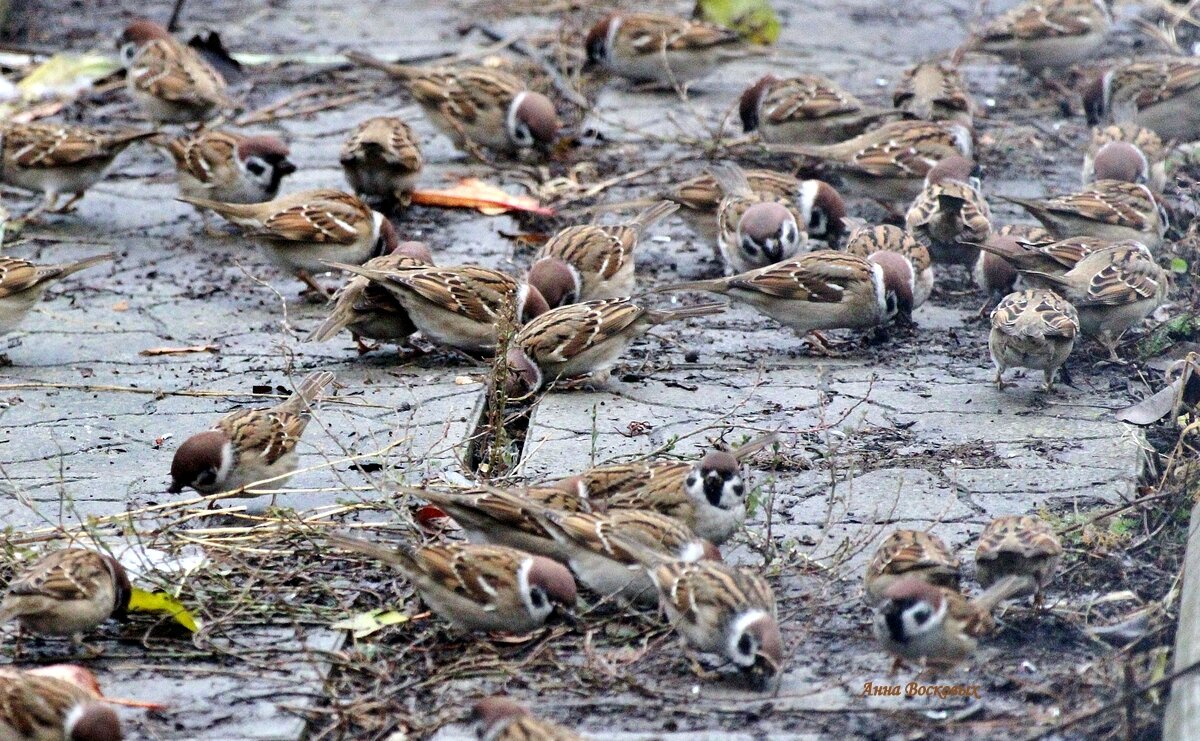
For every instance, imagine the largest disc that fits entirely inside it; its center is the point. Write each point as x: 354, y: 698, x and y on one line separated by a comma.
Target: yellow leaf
x: 366, y: 623
x: 754, y: 20
x: 65, y: 75
x: 161, y: 602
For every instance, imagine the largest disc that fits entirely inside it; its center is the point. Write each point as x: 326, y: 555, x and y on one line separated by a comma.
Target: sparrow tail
x: 309, y: 389
x: 395, y: 70
x: 653, y: 215
x: 755, y: 445
x: 731, y: 179
x: 1002, y: 590
x: 228, y: 210
x: 87, y: 262
x: 124, y: 139
x: 687, y: 312
x: 714, y: 285
x: 398, y: 557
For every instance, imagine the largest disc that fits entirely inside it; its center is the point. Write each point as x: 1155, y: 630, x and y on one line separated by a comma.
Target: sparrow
x: 67, y: 592
x: 1108, y: 209
x: 248, y: 446
x: 501, y: 719
x: 594, y: 548
x: 477, y: 587
x: 886, y: 241
x: 582, y: 339
x: 168, y: 80
x: 663, y: 50
x: 477, y: 107
x: 1160, y: 94
x: 935, y: 91
x: 1034, y: 329
x: 918, y: 621
x: 993, y: 272
x: 910, y: 554
x: 822, y: 209
x: 1018, y: 545
x: 459, y: 307
x: 38, y: 707
x: 1040, y: 253
x: 228, y: 167
x: 592, y: 261
x: 1148, y: 144
x: 23, y: 283
x: 1113, y: 289
x: 306, y: 230
x: 369, y: 310
x: 889, y: 163
x: 56, y: 159
x: 806, y: 109
x: 951, y: 215
x: 381, y: 160
x: 754, y: 230
x: 1046, y: 34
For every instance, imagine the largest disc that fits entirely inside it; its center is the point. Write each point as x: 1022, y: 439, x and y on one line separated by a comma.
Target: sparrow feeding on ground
x: 993, y: 272
x: 870, y: 242
x: 1034, y: 329
x: 305, y: 231
x: 934, y: 91
x: 477, y: 106
x: 228, y: 167
x: 367, y: 309
x: 754, y: 229
x: 67, y: 593
x: 169, y: 81
x: 806, y: 109
x: 55, y: 159
x: 1148, y: 144
x: 582, y: 339
x: 1040, y: 252
x: 37, y: 706
x: 23, y: 283
x: 1046, y: 34
x: 501, y: 719
x: 1108, y: 209
x: 889, y: 163
x: 461, y: 307
x: 664, y: 50
x: 910, y: 554
x: 1018, y: 545
x: 950, y: 216
x: 477, y: 587
x: 1113, y: 289
x: 248, y: 446
x: 592, y: 261
x: 1160, y: 94
x: 381, y: 160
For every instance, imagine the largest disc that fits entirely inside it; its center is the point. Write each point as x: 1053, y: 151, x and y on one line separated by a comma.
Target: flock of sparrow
x: 645, y: 533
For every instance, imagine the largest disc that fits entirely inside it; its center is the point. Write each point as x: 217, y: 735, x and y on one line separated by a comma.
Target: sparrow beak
x: 763, y: 675
x: 285, y: 167
x: 175, y: 488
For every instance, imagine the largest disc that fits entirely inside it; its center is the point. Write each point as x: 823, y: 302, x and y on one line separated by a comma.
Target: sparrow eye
x: 745, y: 645
x: 255, y: 166
x: 921, y: 615
x: 749, y: 246
x: 128, y: 52
x: 537, y: 598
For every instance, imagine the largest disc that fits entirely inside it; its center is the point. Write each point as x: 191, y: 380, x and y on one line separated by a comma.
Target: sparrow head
x: 956, y: 169
x: 524, y: 376
x: 202, y: 462
x: 92, y: 721
x: 532, y: 304
x: 768, y: 232
x: 756, y: 646
x: 1094, y: 93
x: 717, y: 480
x: 824, y: 211
x: 557, y: 281
x: 491, y: 711
x: 911, y: 608
x: 532, y: 121
x: 387, y: 241
x: 122, y: 589
x: 545, y: 581
x: 897, y: 281
x: 995, y: 274
x: 265, y: 160
x: 416, y: 250
x: 750, y: 104
x: 136, y: 35
x: 1119, y: 160
x: 599, y: 41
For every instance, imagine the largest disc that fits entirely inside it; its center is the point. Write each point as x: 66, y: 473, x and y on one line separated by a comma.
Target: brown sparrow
x: 918, y: 621
x: 1041, y: 253
x: 460, y: 307
x: 1018, y: 545
x: 889, y: 163
x: 754, y: 229
x: 582, y: 339
x: 1107, y: 209
x: 23, y: 283
x: 67, y: 593
x: 501, y: 719
x: 869, y: 241
x: 56, y: 159
x: 951, y: 215
x: 935, y: 91
x: 1160, y: 94
x: 477, y: 587
x: 995, y: 274
x: 592, y: 261
x: 1148, y: 144
x: 304, y: 231
x: 369, y: 310
x: 910, y: 554
x: 248, y: 446
x: 1034, y: 329
x: 477, y: 106
x: 381, y: 159
x: 1113, y: 289
x: 806, y: 109
x: 1046, y: 34
x: 169, y: 81
x: 40, y: 705
x: 653, y: 48
x: 228, y: 167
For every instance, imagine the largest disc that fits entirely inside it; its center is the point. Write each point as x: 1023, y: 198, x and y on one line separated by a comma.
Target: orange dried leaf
x: 153, y: 351
x: 486, y: 198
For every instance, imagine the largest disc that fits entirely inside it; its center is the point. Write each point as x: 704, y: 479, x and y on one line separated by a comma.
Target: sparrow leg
x: 46, y: 206
x: 311, y: 282
x: 897, y: 665
x: 1000, y: 384
x: 69, y: 206
x: 821, y: 345
x: 1049, y: 385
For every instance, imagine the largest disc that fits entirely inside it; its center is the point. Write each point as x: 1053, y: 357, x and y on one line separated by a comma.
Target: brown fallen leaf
x: 151, y: 352
x: 484, y: 197
x: 121, y: 305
